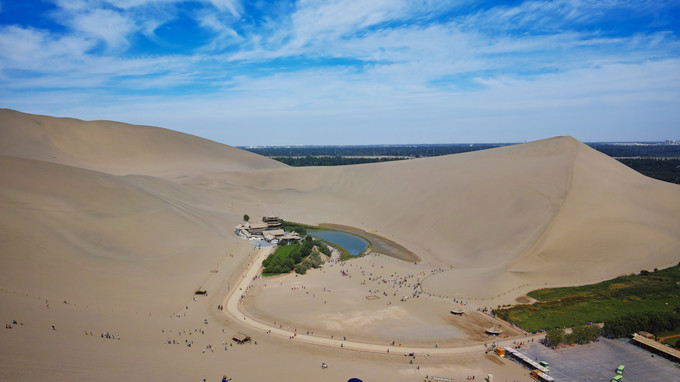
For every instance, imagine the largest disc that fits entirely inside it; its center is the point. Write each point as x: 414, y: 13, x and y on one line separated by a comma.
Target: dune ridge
x: 119, y: 148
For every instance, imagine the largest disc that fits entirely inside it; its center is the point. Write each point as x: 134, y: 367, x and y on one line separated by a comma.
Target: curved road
x: 231, y: 302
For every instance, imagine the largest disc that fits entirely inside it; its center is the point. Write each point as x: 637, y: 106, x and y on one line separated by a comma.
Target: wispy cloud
x: 358, y: 63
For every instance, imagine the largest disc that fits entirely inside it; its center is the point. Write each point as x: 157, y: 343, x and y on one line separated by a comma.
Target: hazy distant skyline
x: 249, y: 73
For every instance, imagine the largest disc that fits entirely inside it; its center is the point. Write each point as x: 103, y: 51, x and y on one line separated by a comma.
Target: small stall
x: 240, y: 338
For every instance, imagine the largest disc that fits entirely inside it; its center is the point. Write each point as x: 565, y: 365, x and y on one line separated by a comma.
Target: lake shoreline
x: 378, y: 243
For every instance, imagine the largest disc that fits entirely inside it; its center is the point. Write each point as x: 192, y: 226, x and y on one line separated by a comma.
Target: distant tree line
x: 652, y: 322
x: 658, y: 161
x: 651, y: 150
x: 657, y: 150
x: 412, y: 151
x: 331, y: 161
x: 666, y: 169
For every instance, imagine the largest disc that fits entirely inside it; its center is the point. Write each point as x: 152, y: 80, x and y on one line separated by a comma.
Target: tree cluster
x: 299, y: 257
x: 393, y: 151
x: 652, y: 322
x: 293, y: 227
x: 330, y: 160
x: 579, y: 334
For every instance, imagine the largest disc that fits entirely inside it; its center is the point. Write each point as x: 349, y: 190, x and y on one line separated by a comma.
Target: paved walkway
x: 232, y: 304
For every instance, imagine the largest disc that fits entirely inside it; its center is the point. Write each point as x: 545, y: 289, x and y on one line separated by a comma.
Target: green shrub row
x: 652, y: 322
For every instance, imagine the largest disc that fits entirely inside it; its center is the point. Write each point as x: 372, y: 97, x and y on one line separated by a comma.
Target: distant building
x: 272, y: 221
x: 269, y: 229
x: 258, y: 227
x: 657, y: 348
x: 274, y: 232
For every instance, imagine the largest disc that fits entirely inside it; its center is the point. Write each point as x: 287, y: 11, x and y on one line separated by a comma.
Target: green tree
x: 555, y: 336
x: 585, y: 333
x: 289, y: 264
x: 301, y: 268
x: 315, y: 259
x: 246, y: 218
x: 296, y: 255
x: 322, y: 247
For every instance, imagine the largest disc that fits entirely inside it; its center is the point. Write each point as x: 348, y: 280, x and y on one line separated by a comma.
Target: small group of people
x: 107, y: 335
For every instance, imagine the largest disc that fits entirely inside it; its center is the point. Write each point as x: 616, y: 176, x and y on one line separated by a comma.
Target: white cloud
x: 103, y: 24
x: 38, y: 50
x: 225, y: 35
x: 233, y: 6
x: 385, y: 68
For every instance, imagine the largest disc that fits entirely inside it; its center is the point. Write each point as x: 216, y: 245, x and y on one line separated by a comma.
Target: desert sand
x: 109, y: 227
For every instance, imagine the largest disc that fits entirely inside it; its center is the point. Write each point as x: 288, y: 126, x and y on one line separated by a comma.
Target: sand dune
x: 119, y: 148
x: 128, y: 220
x: 80, y: 235
x: 553, y: 211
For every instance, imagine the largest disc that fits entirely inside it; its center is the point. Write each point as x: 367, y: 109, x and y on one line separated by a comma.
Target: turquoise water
x: 352, y: 243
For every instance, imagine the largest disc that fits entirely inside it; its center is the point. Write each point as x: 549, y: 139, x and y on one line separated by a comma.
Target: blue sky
x: 350, y: 72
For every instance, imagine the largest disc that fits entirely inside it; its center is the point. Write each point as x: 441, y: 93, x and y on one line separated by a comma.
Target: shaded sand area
x: 109, y: 227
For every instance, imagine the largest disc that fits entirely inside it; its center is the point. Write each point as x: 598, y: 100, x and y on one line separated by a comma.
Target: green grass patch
x: 656, y: 291
x: 673, y: 341
x: 667, y: 333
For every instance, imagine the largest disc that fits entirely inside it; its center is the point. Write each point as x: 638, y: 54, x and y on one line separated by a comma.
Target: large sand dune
x: 552, y: 211
x: 131, y: 219
x: 119, y: 148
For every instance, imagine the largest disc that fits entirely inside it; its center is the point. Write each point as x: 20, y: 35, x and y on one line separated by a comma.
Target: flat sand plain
x: 371, y: 299
x: 108, y: 227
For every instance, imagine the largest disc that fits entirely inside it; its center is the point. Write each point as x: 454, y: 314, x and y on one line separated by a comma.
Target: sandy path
x: 232, y: 302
